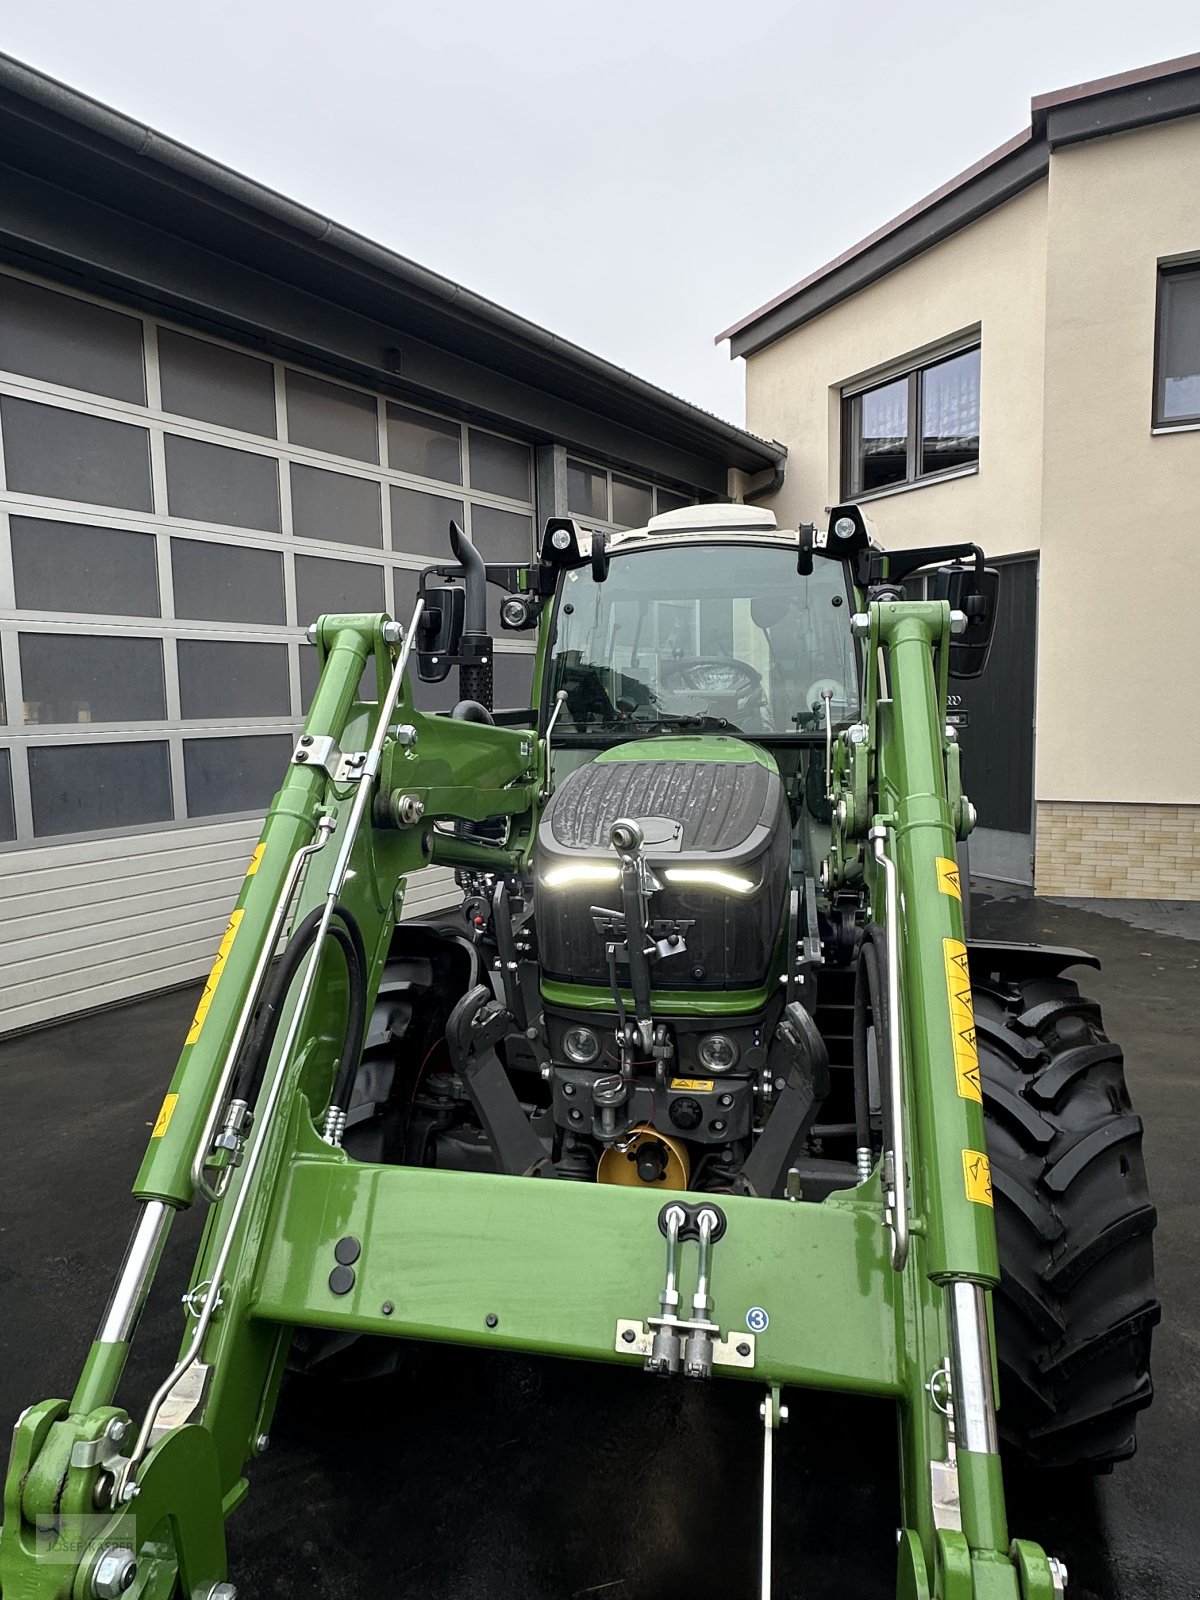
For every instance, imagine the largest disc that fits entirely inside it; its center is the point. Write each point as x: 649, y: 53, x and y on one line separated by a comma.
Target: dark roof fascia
x: 999, y: 177
x: 1134, y: 101
x: 66, y: 137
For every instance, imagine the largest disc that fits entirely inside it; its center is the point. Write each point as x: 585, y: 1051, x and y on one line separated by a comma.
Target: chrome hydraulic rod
x: 974, y: 1399
x: 698, y: 1345
x: 137, y: 1273
x: 666, y: 1345
x: 898, y: 1195
x: 123, y: 1484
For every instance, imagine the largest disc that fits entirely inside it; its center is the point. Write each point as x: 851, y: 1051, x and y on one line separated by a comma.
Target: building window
x: 69, y: 455
x: 587, y: 490
x: 427, y: 446
x: 211, y: 483
x: 224, y: 775
x: 62, y: 339
x: 66, y: 566
x: 83, y: 788
x: 227, y: 583
x: 89, y: 677
x: 922, y: 424
x: 330, y: 417
x: 499, y: 466
x: 632, y: 502
x: 595, y: 492
x: 1177, y: 368
x: 215, y: 384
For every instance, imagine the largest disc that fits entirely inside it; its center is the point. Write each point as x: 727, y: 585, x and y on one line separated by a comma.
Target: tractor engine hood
x: 717, y: 838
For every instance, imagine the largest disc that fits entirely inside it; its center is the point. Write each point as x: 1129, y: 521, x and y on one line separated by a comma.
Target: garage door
x: 174, y: 511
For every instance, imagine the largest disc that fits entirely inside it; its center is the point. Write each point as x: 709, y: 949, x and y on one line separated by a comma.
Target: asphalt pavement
x: 479, y: 1476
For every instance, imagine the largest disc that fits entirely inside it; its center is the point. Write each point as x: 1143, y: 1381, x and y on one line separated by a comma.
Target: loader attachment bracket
x: 55, y: 1545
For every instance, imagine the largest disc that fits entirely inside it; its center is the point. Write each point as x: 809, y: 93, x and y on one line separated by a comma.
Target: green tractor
x: 705, y: 1077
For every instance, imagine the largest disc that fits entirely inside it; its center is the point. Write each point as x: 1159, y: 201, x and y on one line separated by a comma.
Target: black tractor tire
x: 421, y: 981
x: 1076, y: 1303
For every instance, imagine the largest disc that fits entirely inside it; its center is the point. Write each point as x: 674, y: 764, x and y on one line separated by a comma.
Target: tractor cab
x: 702, y: 624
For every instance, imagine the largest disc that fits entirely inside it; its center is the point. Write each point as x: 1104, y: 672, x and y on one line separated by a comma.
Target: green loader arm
x: 882, y: 1289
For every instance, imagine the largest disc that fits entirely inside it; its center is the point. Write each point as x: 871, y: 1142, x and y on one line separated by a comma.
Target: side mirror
x: 804, y: 549
x: 440, y: 630
x: 974, y: 591
x: 600, y: 556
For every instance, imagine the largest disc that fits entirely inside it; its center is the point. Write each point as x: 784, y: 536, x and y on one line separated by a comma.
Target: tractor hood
x: 715, y: 821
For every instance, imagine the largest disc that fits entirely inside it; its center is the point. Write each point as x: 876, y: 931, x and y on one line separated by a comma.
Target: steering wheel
x: 712, y: 675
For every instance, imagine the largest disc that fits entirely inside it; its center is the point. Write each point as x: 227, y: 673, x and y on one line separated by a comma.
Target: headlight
x: 581, y: 1046
x: 580, y: 872
x: 718, y: 1052
x: 711, y: 878
x: 514, y: 612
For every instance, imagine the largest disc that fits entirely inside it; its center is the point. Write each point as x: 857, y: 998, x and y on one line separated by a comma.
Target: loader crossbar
x: 600, y: 1256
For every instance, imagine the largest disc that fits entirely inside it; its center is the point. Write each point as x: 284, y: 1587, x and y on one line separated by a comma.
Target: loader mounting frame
x: 881, y: 1290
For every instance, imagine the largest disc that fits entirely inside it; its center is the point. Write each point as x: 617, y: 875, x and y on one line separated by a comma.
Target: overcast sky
x: 634, y: 175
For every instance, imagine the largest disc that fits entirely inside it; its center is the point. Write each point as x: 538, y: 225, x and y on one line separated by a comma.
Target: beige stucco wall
x: 991, y: 275
x: 1062, y: 282
x: 1119, y: 658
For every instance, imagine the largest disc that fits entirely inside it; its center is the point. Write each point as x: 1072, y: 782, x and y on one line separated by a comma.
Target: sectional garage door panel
x: 101, y: 921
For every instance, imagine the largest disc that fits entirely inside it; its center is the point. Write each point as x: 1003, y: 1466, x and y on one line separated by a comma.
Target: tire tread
x: 1076, y: 1304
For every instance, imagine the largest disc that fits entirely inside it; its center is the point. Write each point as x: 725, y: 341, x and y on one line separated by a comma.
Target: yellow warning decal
x: 696, y: 1085
x: 214, y: 977
x: 948, y: 878
x: 977, y: 1175
x: 256, y: 859
x: 165, y: 1114
x: 962, y: 1019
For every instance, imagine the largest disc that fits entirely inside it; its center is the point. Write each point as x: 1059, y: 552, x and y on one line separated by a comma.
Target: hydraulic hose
x: 870, y: 998
x: 344, y: 931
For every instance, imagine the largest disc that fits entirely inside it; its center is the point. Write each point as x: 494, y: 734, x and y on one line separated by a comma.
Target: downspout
x: 772, y: 486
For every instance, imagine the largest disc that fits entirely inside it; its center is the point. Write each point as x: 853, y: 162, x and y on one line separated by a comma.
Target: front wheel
x: 1076, y: 1302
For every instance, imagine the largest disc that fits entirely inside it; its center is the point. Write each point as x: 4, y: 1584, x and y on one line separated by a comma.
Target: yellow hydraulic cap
x: 646, y: 1157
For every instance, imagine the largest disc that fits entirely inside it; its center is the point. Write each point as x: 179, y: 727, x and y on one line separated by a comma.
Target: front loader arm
x: 898, y: 817
x: 355, y: 815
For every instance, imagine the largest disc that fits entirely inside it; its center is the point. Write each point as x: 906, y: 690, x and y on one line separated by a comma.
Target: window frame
x: 911, y: 370
x: 1167, y: 268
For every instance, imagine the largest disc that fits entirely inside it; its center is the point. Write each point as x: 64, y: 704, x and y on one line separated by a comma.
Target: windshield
x: 722, y: 637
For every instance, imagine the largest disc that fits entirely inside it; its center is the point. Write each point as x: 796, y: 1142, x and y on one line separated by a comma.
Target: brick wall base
x: 1118, y: 852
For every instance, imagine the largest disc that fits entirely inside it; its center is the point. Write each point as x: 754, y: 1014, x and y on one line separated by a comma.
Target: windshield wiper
x: 693, y: 719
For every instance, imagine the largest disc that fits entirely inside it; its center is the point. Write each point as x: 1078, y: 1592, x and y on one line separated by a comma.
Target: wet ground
x: 479, y: 1476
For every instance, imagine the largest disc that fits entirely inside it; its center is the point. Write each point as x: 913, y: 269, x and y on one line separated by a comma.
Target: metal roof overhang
x: 103, y: 199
